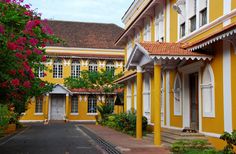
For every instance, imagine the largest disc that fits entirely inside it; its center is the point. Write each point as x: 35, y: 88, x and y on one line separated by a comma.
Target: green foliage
x: 124, y: 122
x: 23, y: 36
x: 102, y: 81
x: 230, y: 138
x: 192, y: 147
x: 105, y: 109
x: 4, y: 117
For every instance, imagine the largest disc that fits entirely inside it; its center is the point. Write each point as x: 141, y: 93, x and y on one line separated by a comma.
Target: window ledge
x: 92, y: 114
x: 38, y: 114
x: 74, y: 114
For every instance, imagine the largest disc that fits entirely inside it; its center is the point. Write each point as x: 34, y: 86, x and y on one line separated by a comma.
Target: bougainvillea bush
x: 23, y: 36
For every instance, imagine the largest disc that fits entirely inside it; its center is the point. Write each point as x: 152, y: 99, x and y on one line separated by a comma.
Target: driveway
x: 55, y: 138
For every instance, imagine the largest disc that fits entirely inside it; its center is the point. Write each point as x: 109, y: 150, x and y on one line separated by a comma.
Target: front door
x: 193, y: 81
x: 57, y: 107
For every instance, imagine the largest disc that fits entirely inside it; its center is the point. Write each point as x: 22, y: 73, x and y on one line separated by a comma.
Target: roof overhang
x: 226, y: 33
x: 141, y: 57
x: 60, y: 89
x: 126, y: 77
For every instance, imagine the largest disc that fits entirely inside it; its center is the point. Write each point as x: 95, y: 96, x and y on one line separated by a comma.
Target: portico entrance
x: 57, y: 107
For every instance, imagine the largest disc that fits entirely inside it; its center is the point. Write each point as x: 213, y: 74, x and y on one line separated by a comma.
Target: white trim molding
x: 92, y: 114
x: 227, y: 87
x: 38, y: 114
x: 26, y: 121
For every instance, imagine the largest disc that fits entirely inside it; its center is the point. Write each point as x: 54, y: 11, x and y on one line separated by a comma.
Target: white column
x: 167, y: 98
x: 168, y: 21
x: 227, y: 9
x: 227, y: 87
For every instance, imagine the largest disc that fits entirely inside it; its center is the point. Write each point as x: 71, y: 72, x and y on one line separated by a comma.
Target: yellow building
x: 179, y: 65
x: 88, y: 46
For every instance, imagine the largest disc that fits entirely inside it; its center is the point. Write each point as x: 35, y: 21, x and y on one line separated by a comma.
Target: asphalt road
x: 56, y: 138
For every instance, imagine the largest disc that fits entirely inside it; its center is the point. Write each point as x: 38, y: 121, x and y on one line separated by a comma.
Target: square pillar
x: 139, y: 114
x: 46, y: 107
x: 157, y: 104
x: 67, y: 105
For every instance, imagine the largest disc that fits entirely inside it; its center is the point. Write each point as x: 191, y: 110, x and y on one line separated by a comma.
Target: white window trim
x: 57, y: 64
x: 93, y: 65
x: 74, y: 114
x: 92, y: 114
x: 177, y: 77
x: 187, y: 28
x: 212, y: 84
x: 38, y: 114
x: 75, y: 65
x: 129, y: 96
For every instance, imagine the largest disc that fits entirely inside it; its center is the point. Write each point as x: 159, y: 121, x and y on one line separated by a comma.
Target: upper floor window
x: 203, y: 12
x: 39, y: 105
x: 75, y: 69
x: 40, y: 72
x: 208, y: 92
x: 147, y: 29
x: 159, y: 24
x: 129, y: 47
x: 192, y: 14
x: 137, y: 35
x: 57, y: 68
x: 177, y: 95
x: 93, y: 66
x: 110, y: 66
x: 74, y: 104
x: 181, y: 9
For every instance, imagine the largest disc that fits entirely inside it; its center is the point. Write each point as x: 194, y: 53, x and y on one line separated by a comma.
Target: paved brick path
x: 124, y: 142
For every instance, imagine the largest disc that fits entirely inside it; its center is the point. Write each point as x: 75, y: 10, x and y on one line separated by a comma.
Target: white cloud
x: 108, y: 11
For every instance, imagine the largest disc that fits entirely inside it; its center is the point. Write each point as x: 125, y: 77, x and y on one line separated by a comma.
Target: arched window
x: 75, y: 69
x: 208, y: 96
x: 93, y: 66
x: 110, y: 66
x: 57, y: 68
x: 159, y: 23
x: 177, y: 95
x: 92, y: 104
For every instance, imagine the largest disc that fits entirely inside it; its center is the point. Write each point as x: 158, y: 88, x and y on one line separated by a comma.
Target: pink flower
x: 12, y: 46
x: 27, y: 13
x: 27, y: 6
x: 26, y: 66
x: 8, y: 1
x: 21, y: 40
x: 15, y: 82
x: 12, y: 72
x: 21, y: 72
x: 28, y: 52
x: 33, y: 41
x: 42, y: 84
x: 39, y: 52
x: 2, y: 29
x: 19, y: 55
x: 27, y: 84
x: 44, y: 58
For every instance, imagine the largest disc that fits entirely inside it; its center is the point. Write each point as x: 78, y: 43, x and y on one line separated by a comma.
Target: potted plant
x: 66, y: 119
x: 45, y: 119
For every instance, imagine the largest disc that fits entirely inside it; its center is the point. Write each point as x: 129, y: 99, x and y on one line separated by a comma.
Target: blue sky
x: 105, y: 11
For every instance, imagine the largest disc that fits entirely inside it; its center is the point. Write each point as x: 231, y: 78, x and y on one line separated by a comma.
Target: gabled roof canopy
x: 146, y: 52
x: 60, y: 89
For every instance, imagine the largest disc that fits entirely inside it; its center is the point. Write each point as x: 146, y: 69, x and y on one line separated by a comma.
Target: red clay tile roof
x: 208, y: 37
x: 168, y: 49
x: 84, y: 90
x: 86, y: 35
x: 87, y: 55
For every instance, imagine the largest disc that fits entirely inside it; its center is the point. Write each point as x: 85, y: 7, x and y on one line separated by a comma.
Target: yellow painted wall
x: 173, y: 23
x: 216, y: 125
x: 215, y: 13
x: 175, y: 121
x: 233, y: 80
x: 233, y: 4
x: 30, y: 113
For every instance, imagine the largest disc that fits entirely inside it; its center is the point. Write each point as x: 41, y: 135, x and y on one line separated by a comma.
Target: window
x: 75, y: 69
x: 92, y: 104
x: 182, y: 30
x: 147, y: 29
x: 74, y: 104
x: 110, y: 101
x: 110, y: 66
x: 129, y: 47
x: 137, y: 35
x: 146, y: 96
x: 203, y: 12
x: 40, y: 72
x: 159, y: 24
x: 203, y: 17
x: 135, y: 95
x: 177, y: 95
x: 39, y: 105
x: 93, y: 66
x: 57, y: 68
x: 208, y: 92
x: 193, y: 23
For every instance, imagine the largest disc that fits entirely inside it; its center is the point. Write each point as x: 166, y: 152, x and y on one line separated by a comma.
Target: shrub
x: 231, y: 140
x: 192, y: 147
x: 125, y: 122
x: 4, y: 117
x: 105, y: 110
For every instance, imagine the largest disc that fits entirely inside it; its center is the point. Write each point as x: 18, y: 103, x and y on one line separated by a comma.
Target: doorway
x: 194, y: 102
x: 57, y: 107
